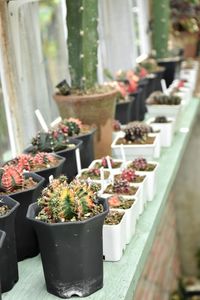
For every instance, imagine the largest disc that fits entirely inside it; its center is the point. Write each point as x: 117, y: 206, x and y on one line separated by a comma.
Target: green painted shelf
x: 120, y: 278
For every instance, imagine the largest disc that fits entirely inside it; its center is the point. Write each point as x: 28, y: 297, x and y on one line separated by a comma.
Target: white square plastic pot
x: 147, y: 151
x: 114, y: 240
x: 156, y: 110
x: 131, y: 216
x: 138, y: 195
x: 151, y: 179
x: 104, y: 183
x: 166, y: 130
x: 114, y: 170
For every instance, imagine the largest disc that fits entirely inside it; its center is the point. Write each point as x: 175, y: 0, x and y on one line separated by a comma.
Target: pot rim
x: 15, y: 205
x: 35, y: 205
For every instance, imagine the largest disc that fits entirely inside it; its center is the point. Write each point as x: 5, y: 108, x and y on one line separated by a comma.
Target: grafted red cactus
x: 121, y: 186
x: 24, y: 162
x: 139, y: 164
x: 128, y: 175
x: 43, y: 159
x: 104, y: 162
x: 11, y: 178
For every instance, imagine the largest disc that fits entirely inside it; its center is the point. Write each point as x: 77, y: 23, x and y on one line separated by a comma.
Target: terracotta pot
x: 96, y: 109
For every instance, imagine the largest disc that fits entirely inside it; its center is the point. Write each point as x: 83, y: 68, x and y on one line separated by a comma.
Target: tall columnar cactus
x: 82, y: 19
x: 161, y: 19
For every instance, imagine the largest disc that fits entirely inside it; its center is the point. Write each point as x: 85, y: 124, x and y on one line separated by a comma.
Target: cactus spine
x: 82, y: 19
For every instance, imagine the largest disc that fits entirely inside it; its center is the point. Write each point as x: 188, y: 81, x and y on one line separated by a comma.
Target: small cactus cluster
x: 160, y: 119
x: 116, y: 201
x: 11, y: 178
x: 63, y: 202
x: 139, y: 164
x: 162, y: 99
x: 27, y: 162
x: 121, y: 186
x: 70, y: 126
x: 53, y: 140
x: 128, y: 174
x: 137, y: 132
x: 104, y: 162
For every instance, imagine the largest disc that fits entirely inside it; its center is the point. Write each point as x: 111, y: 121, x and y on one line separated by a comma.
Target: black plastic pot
x: 26, y: 240
x: 2, y: 238
x: 159, y: 75
x: 72, y: 254
x: 135, y: 99
x: 56, y: 171
x: 151, y: 84
x: 170, y: 65
x: 87, y: 149
x: 69, y: 167
x: 122, y: 112
x: 8, y: 257
x: 143, y: 84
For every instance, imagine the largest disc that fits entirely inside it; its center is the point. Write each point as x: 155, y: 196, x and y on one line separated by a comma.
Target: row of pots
x: 135, y: 108
x: 116, y: 237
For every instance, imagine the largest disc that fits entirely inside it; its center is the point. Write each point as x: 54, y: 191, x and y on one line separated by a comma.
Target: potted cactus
x: 114, y: 237
x: 57, y: 141
x: 75, y: 128
x: 8, y: 257
x: 166, y: 126
x: 130, y: 207
x: 138, y: 181
x: 68, y: 219
x: 138, y: 139
x: 93, y: 174
x: 99, y: 163
x: 2, y: 237
x: 41, y: 163
x: 159, y: 104
x: 149, y: 169
x: 85, y: 99
x: 24, y: 188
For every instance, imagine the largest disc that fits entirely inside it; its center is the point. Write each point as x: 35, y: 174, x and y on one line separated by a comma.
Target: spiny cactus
x: 11, y: 178
x: 121, y: 186
x: 28, y: 162
x: 160, y: 33
x: 137, y: 132
x: 22, y: 162
x: 70, y: 126
x: 53, y: 140
x: 139, y: 164
x: 161, y: 119
x: 128, y: 175
x: 160, y: 98
x: 62, y: 202
x: 82, y: 21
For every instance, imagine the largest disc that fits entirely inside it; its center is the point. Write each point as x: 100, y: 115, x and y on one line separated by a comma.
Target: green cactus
x: 53, y: 140
x: 161, y: 19
x: 82, y: 19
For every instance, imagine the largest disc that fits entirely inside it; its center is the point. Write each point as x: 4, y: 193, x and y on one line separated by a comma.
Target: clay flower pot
x: 98, y: 109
